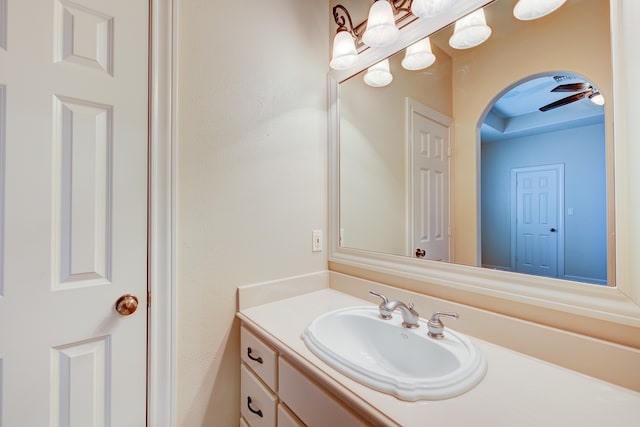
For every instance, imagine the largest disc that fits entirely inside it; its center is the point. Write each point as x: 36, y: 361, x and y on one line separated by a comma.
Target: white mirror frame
x: 620, y: 304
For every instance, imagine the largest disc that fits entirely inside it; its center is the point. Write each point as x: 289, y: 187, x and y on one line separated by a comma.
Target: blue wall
x: 582, y: 151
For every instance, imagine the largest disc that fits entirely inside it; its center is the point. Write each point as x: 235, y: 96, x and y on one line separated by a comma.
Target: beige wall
x: 251, y: 176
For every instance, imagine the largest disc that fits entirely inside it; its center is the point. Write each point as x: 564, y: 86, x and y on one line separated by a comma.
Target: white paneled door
x: 73, y: 212
x: 429, y: 195
x: 537, y: 193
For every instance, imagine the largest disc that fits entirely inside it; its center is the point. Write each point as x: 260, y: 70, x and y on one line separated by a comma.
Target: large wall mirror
x: 429, y: 171
x: 418, y: 179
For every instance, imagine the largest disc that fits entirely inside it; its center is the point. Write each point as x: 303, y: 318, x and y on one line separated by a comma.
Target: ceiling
x: 516, y: 113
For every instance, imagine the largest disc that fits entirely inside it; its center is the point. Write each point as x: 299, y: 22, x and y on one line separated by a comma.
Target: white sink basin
x: 385, y: 356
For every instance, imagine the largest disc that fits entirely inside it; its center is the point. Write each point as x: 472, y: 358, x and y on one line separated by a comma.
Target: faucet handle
x: 435, y: 325
x: 384, y: 311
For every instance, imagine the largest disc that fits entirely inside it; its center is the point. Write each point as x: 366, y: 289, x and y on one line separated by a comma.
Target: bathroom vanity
x: 271, y: 384
x: 285, y: 384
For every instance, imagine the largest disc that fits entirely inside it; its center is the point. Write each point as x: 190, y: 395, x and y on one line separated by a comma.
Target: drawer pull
x: 257, y: 359
x: 258, y: 412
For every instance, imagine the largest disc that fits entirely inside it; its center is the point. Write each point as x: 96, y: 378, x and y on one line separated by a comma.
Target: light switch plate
x: 316, y: 244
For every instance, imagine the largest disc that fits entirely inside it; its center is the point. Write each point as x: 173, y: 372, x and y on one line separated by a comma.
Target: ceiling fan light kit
x: 597, y: 98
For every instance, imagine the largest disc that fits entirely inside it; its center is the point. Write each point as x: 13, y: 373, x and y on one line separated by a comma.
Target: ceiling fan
x: 583, y: 90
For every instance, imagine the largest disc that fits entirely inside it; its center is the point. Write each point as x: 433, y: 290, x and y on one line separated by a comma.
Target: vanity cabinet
x: 275, y: 393
x: 258, y: 381
x: 314, y: 405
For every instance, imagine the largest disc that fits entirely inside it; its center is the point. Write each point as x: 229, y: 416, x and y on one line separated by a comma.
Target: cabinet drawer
x: 258, y: 404
x: 260, y: 357
x: 286, y: 418
x: 311, y: 403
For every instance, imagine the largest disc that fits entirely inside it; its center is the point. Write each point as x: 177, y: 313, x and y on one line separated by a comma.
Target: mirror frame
x: 472, y: 285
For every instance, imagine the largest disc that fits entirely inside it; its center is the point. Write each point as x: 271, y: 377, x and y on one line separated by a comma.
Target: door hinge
x: 148, y: 299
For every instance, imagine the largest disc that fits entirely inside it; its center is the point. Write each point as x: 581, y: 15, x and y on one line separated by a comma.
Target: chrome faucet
x: 435, y: 325
x: 386, y: 307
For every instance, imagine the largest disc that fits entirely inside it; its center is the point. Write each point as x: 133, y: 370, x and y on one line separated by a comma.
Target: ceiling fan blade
x: 572, y: 87
x: 567, y: 100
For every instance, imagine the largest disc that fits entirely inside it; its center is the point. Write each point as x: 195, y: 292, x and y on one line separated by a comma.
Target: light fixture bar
x: 341, y: 16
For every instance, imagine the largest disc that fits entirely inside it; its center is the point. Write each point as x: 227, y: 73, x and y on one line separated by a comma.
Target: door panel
x: 80, y: 383
x: 83, y: 195
x: 73, y: 79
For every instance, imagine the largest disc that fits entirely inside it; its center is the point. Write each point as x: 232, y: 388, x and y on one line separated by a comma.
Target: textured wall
x: 251, y: 176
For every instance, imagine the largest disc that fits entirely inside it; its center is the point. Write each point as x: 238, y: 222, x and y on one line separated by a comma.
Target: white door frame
x: 161, y: 362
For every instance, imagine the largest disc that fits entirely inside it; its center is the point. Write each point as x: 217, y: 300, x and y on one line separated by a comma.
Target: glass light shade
x: 381, y: 25
x: 378, y: 75
x: 526, y: 10
x: 470, y: 31
x: 418, y: 55
x: 430, y: 8
x: 344, y: 51
x: 597, y: 98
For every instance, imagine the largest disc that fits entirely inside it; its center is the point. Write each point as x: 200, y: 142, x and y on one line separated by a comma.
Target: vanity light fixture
x: 527, y: 10
x: 418, y: 56
x: 470, y: 31
x: 381, y: 29
x: 430, y: 8
x: 378, y: 75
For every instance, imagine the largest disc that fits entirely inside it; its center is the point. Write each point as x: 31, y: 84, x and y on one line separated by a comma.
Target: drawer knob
x: 257, y: 412
x: 257, y: 359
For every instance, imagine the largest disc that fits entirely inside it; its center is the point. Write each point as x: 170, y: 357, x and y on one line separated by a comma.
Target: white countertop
x: 517, y: 390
